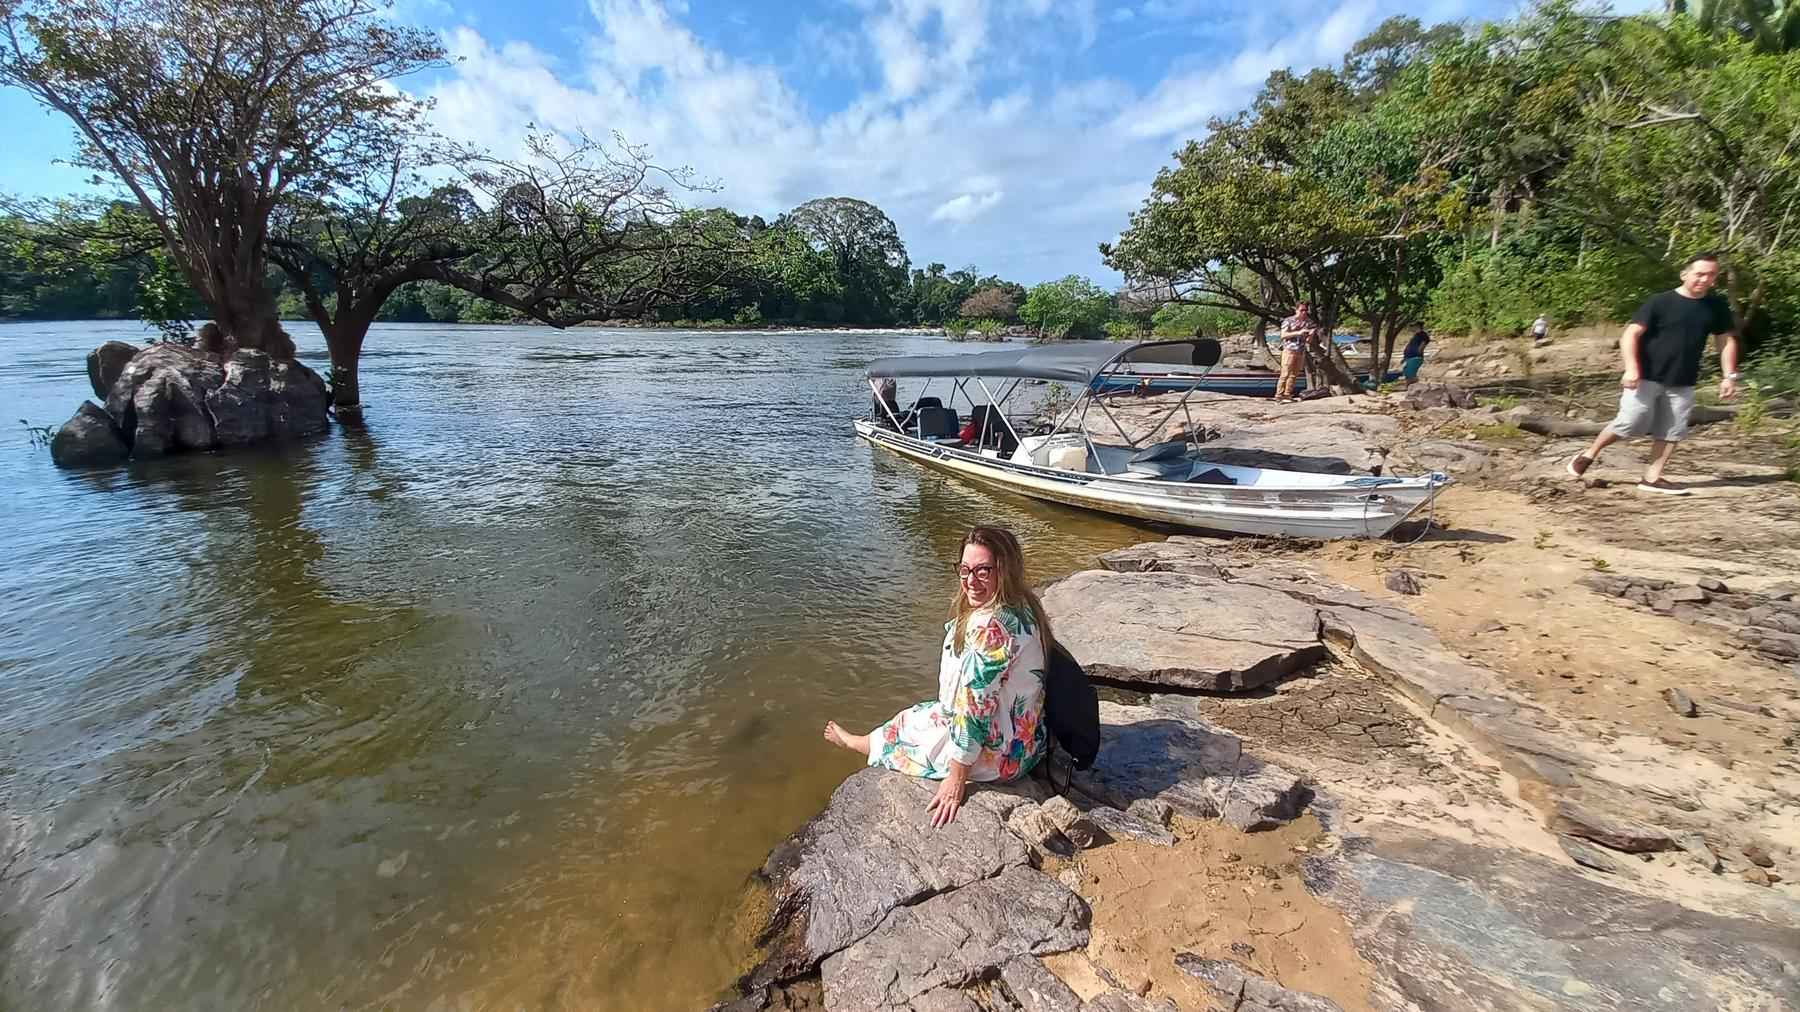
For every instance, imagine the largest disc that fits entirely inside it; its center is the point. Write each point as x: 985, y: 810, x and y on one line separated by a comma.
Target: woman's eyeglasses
x: 978, y: 572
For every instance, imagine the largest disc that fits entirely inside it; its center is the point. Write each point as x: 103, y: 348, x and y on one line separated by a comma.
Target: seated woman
x: 987, y: 722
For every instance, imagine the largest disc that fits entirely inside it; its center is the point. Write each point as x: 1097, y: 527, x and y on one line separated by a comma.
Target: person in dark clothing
x: 1661, y: 349
x: 1413, y: 358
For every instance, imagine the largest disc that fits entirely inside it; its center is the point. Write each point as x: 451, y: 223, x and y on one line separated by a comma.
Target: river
x: 493, y: 705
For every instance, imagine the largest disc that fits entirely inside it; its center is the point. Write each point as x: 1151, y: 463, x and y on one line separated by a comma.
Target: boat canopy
x: 1073, y: 361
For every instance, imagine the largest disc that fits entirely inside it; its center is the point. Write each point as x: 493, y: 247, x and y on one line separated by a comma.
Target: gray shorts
x: 1654, y: 410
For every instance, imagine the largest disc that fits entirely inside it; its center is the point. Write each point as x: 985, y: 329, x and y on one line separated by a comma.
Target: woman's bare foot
x: 854, y: 742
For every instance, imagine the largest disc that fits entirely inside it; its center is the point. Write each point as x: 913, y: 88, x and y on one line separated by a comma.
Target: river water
x: 493, y: 705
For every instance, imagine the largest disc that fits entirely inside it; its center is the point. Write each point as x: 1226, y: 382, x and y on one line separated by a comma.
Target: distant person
x: 1413, y: 358
x: 1296, y: 330
x: 887, y: 400
x: 986, y: 723
x: 1540, y: 331
x: 1661, y: 348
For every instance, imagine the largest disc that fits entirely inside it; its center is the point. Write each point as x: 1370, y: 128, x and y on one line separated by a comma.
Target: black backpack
x: 1071, y: 707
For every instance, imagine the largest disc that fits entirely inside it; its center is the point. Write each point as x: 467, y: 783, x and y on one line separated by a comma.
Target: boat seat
x: 927, y: 402
x: 936, y: 424
x: 1167, y: 459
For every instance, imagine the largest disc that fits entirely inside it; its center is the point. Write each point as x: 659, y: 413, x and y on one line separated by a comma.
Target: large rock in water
x: 105, y: 363
x: 264, y: 399
x: 159, y: 400
x: 168, y: 398
x: 1182, y: 630
x: 88, y: 438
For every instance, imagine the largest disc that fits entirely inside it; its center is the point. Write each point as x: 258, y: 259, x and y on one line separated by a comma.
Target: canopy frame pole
x: 998, y: 410
x: 1115, y: 423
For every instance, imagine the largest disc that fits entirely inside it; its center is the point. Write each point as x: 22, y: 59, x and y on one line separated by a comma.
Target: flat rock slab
x: 1182, y: 630
x: 1194, y: 768
x: 869, y: 852
x: 1456, y: 926
x: 954, y: 940
x: 1244, y: 990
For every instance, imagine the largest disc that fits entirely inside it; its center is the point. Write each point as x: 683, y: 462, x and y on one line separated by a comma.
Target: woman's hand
x: 949, y: 796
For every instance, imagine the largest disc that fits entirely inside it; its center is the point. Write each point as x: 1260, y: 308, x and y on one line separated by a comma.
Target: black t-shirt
x: 1416, y: 346
x: 1675, y: 332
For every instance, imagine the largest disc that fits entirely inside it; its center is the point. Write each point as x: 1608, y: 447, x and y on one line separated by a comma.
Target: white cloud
x: 966, y: 206
x: 951, y: 126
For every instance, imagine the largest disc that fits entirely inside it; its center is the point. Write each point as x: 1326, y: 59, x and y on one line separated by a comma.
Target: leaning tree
x: 212, y: 113
x: 574, y: 231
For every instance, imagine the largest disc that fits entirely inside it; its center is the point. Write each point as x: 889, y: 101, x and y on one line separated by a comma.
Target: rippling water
x: 493, y: 705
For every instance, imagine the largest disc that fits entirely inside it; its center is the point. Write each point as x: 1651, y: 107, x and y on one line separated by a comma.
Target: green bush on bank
x: 1501, y: 290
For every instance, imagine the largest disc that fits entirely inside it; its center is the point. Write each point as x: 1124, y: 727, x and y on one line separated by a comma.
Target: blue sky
x: 1014, y: 135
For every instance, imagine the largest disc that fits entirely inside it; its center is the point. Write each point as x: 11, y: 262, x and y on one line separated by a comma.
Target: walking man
x: 1296, y: 330
x: 1661, y: 348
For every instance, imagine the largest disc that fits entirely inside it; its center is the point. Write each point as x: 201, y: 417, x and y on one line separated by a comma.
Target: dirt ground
x: 1220, y: 894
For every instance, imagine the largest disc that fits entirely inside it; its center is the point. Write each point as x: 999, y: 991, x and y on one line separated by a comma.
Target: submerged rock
x: 88, y: 438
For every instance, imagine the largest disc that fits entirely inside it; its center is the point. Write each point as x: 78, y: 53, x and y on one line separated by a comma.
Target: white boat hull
x: 1282, y: 504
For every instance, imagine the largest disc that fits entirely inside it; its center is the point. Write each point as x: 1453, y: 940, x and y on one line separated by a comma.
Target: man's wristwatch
x: 1734, y: 376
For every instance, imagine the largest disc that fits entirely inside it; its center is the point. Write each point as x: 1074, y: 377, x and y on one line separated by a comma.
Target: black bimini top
x: 1071, y: 361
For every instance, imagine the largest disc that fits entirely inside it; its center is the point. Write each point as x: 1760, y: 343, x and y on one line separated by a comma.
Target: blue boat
x: 1242, y: 382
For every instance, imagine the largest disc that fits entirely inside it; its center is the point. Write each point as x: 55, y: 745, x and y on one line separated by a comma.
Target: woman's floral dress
x: 990, y: 706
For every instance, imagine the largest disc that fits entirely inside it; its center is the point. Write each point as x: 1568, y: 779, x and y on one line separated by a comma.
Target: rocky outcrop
x: 105, y: 363
x: 168, y: 399
x: 1768, y: 623
x: 262, y: 399
x: 893, y: 913
x: 1182, y: 630
x: 871, y: 851
x: 955, y: 939
x: 1437, y: 395
x: 1198, y: 771
x: 1458, y: 926
x: 88, y: 439
x: 1244, y: 990
x: 159, y: 400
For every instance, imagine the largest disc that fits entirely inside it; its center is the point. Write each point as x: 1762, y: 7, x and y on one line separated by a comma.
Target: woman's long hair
x: 1010, y: 586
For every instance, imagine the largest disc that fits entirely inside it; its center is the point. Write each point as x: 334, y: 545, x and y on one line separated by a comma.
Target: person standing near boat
x: 1662, y: 347
x: 1413, y: 358
x: 987, y: 722
x: 1296, y: 330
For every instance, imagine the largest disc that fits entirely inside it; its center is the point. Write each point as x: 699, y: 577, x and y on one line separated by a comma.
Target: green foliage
x: 1501, y: 290
x: 1180, y: 319
x: 1073, y: 307
x: 964, y: 329
x: 1123, y: 330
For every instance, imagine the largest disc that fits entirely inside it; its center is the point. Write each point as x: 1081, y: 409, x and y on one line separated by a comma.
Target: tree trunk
x: 1259, y: 346
x: 344, y: 339
x: 1384, y: 337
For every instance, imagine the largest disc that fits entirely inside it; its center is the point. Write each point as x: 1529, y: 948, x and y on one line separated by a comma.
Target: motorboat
x: 1059, y: 459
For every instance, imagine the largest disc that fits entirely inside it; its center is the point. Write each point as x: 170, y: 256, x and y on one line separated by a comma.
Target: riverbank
x: 1538, y: 754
